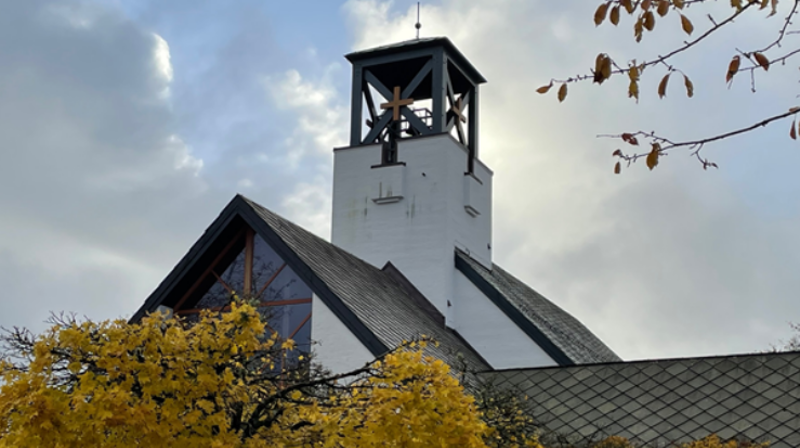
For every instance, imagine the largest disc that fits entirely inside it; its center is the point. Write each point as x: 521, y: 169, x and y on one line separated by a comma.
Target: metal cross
x: 396, y: 104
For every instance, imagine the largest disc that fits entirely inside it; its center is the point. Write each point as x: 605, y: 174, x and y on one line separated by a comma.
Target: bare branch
x: 697, y: 145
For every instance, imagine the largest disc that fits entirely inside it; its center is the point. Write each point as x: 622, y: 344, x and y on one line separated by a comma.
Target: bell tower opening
x: 416, y: 88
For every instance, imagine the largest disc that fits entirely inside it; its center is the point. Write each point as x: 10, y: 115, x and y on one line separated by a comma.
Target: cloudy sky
x: 127, y: 125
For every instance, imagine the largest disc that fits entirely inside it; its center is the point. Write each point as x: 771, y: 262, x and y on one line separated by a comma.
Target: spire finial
x: 418, y: 25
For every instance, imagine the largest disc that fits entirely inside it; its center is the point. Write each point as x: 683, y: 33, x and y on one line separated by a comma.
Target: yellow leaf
x: 633, y: 90
x: 733, y: 67
x: 686, y: 24
x: 545, y: 89
x: 600, y: 13
x: 614, y: 18
x: 652, y: 157
x: 663, y: 7
x: 617, y: 168
x: 562, y: 92
x: 662, y: 86
x: 633, y: 72
x: 649, y: 21
x: 762, y: 60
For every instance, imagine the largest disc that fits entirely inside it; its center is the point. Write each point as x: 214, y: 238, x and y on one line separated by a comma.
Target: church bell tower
x: 410, y: 189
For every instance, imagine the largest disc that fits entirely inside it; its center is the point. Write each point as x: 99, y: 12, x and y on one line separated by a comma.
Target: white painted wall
x: 424, y: 218
x: 490, y: 332
x: 336, y: 348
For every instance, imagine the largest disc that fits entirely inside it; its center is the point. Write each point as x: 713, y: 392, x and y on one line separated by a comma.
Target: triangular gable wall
x: 229, y: 247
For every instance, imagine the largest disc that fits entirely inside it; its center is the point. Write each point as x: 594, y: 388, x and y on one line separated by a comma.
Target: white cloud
x: 676, y: 262
x: 321, y: 125
x: 321, y: 117
x: 161, y: 58
x: 309, y: 206
x: 97, y: 180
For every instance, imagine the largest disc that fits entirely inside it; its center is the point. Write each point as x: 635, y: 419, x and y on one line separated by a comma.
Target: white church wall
x: 418, y: 231
x: 336, y: 348
x: 490, y: 332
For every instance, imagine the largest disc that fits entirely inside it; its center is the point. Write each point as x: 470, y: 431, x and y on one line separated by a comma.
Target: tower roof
x: 419, y: 44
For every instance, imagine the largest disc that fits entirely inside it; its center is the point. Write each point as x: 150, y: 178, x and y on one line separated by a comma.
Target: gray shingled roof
x: 659, y: 402
x: 378, y: 300
x: 566, y: 333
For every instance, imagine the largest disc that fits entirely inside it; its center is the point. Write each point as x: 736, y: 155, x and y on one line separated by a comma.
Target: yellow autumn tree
x: 218, y: 383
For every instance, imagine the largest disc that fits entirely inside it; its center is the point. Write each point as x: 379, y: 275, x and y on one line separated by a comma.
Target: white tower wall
x: 414, y: 213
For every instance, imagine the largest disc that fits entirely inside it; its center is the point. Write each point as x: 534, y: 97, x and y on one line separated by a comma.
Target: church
x: 411, y: 254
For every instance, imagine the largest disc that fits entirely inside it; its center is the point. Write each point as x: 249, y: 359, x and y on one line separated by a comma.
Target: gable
x: 372, y: 305
x: 276, y: 278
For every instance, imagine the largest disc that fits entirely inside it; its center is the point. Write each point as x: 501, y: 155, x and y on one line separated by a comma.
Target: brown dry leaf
x: 600, y: 14
x: 614, y: 18
x: 652, y: 157
x: 630, y: 139
x: 686, y: 24
x: 545, y: 89
x: 663, y: 7
x: 793, y: 131
x: 646, y: 4
x: 737, y: 4
x: 617, y: 153
x: 598, y: 62
x: 794, y: 109
x: 617, y: 168
x: 662, y: 86
x: 689, y: 86
x: 678, y: 3
x: 774, y: 4
x: 605, y: 69
x: 764, y: 4
x: 562, y: 92
x: 733, y: 67
x: 762, y: 61
x: 627, y: 4
x: 649, y: 20
x: 638, y: 29
x: 602, y: 68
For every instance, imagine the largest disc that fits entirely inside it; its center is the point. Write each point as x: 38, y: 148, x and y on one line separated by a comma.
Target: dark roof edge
x: 644, y: 361
x: 240, y: 206
x: 186, y: 262
x: 402, y: 47
x: 414, y: 293
x: 513, y: 313
x: 331, y: 300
